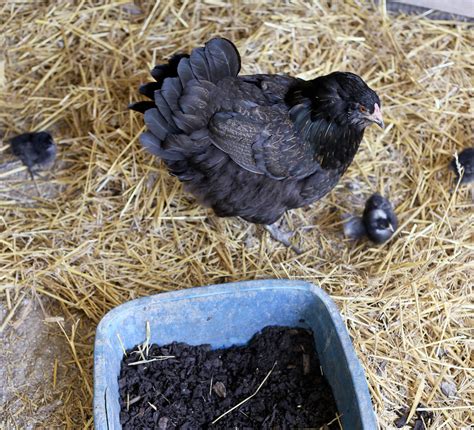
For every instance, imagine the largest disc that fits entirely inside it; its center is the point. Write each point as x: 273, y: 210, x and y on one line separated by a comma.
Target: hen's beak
x: 390, y: 226
x: 376, y: 117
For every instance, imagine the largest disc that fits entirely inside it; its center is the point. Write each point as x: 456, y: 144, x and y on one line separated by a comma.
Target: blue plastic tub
x: 225, y: 315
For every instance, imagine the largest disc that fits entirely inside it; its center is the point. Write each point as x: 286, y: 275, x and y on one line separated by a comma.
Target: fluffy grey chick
x: 354, y: 227
x: 378, y: 221
x: 463, y: 166
x: 34, y: 149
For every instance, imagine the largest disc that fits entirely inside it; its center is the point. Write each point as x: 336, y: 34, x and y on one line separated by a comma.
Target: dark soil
x: 200, y: 384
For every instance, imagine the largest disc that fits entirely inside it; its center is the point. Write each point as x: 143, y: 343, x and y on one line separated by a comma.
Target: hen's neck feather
x: 324, y: 125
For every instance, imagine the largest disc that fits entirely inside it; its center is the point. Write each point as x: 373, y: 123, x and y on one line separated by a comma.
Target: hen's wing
x: 259, y: 134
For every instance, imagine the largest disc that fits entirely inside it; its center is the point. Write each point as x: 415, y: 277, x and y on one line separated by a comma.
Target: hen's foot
x: 282, y: 236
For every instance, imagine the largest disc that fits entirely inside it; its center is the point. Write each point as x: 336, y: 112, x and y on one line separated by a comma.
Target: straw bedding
x: 112, y: 225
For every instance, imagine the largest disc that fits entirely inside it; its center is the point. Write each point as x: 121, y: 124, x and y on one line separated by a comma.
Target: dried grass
x: 119, y: 227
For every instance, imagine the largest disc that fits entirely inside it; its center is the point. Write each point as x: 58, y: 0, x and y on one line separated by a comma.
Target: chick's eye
x: 363, y: 109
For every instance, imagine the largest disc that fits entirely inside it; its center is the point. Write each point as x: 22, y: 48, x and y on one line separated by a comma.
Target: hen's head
x: 355, y: 99
x: 345, y: 98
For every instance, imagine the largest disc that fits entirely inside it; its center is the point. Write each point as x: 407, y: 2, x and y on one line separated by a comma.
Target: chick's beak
x: 376, y: 116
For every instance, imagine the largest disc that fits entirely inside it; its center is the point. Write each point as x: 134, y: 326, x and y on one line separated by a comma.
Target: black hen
x: 253, y: 146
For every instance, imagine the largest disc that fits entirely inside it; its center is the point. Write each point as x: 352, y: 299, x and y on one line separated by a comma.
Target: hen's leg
x: 282, y: 236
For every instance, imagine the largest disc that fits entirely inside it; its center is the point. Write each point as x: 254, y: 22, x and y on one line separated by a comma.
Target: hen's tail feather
x: 181, y: 95
x: 194, y: 99
x: 154, y: 146
x: 199, y: 64
x: 157, y: 124
x: 223, y: 59
x: 171, y: 91
x: 149, y: 89
x: 169, y: 70
x: 185, y: 72
x: 159, y: 73
x: 178, y: 110
x: 142, y: 106
x: 164, y: 107
x: 189, y: 145
x: 218, y: 59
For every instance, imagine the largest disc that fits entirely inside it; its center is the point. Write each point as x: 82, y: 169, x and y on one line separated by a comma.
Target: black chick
x: 253, y: 146
x: 378, y: 221
x: 34, y: 149
x: 463, y: 166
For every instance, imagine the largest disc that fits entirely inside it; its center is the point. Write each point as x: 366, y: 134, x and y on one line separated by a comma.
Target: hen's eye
x: 362, y: 109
